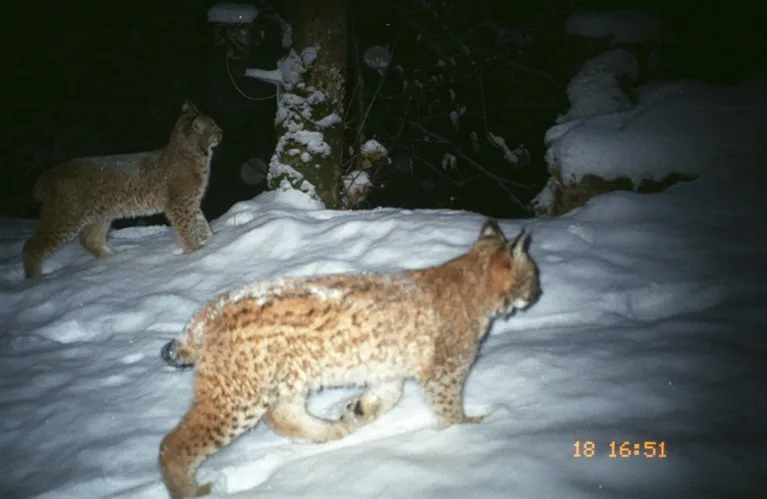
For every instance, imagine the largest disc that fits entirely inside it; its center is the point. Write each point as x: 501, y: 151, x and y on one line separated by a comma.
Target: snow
x: 373, y: 148
x: 650, y: 328
x: 449, y: 162
x: 684, y: 127
x: 273, y: 76
x: 623, y: 26
x: 328, y: 121
x: 596, y: 89
x: 313, y: 141
x: 371, y: 152
x: 377, y: 57
x: 121, y: 161
x: 232, y: 13
x: 513, y: 157
x: 309, y: 55
x: 289, y: 69
x: 286, y: 40
x: 293, y: 111
x: 454, y: 119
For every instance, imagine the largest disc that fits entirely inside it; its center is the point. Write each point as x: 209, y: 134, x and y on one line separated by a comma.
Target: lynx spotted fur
x: 85, y: 195
x: 258, y: 351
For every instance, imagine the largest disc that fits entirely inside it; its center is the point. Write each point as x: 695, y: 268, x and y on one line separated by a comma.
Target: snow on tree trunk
x: 310, y: 129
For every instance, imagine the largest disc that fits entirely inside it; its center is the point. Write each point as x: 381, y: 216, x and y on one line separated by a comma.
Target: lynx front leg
x: 183, y: 219
x: 373, y: 403
x: 444, y: 393
x: 202, y: 230
x: 289, y: 418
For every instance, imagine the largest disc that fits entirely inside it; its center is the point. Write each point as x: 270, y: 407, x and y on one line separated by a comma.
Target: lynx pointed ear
x: 197, y: 124
x: 188, y: 107
x: 519, y: 244
x: 491, y: 229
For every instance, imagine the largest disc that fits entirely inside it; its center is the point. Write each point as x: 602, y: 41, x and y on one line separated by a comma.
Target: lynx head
x: 512, y: 273
x: 197, y: 130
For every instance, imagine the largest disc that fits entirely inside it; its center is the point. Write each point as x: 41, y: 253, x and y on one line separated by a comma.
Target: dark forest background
x: 85, y: 78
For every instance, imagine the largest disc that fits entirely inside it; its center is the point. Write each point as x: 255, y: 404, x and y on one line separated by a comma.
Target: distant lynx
x: 85, y: 195
x: 258, y: 351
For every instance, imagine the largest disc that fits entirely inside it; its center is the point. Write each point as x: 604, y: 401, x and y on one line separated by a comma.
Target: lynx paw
x: 205, y: 489
x: 202, y: 230
x: 447, y: 423
x: 361, y: 412
x: 204, y: 238
x: 102, y: 251
x: 474, y: 419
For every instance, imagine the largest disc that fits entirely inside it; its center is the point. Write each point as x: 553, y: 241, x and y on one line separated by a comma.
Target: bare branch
x: 502, y: 182
x: 380, y: 85
x: 537, y: 72
x: 440, y: 173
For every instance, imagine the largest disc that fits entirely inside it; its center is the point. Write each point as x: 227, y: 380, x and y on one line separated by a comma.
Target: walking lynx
x: 85, y: 195
x: 258, y: 351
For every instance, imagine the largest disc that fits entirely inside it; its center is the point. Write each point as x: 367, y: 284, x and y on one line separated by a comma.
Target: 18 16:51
x: 623, y: 450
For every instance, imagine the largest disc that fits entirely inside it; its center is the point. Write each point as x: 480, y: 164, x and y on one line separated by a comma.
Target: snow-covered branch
x: 232, y: 13
x: 273, y: 76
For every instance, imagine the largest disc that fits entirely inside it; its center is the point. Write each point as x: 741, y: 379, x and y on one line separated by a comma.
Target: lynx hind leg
x: 34, y: 252
x: 216, y: 418
x: 289, y: 418
x: 93, y: 237
x: 50, y: 235
x: 202, y: 231
x: 374, y: 402
x: 184, y: 221
x: 445, y: 396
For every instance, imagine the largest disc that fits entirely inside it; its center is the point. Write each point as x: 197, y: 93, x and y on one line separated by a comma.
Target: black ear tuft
x: 188, y: 107
x: 520, y: 244
x: 491, y: 229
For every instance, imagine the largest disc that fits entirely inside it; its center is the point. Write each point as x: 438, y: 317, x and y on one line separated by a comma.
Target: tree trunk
x: 302, y: 159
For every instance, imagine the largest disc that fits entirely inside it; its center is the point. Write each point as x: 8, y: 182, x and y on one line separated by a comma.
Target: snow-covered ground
x: 649, y: 335
x: 684, y: 127
x: 650, y: 328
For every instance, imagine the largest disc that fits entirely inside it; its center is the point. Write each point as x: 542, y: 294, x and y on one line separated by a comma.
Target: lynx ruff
x: 85, y: 195
x: 258, y: 351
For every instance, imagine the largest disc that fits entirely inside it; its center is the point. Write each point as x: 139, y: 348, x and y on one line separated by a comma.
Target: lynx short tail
x: 169, y: 354
x: 38, y: 191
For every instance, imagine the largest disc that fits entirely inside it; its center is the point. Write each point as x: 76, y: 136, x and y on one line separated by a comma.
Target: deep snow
x: 650, y: 328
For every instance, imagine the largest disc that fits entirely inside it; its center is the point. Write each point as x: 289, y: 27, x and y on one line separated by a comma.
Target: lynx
x: 258, y: 351
x: 85, y: 195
